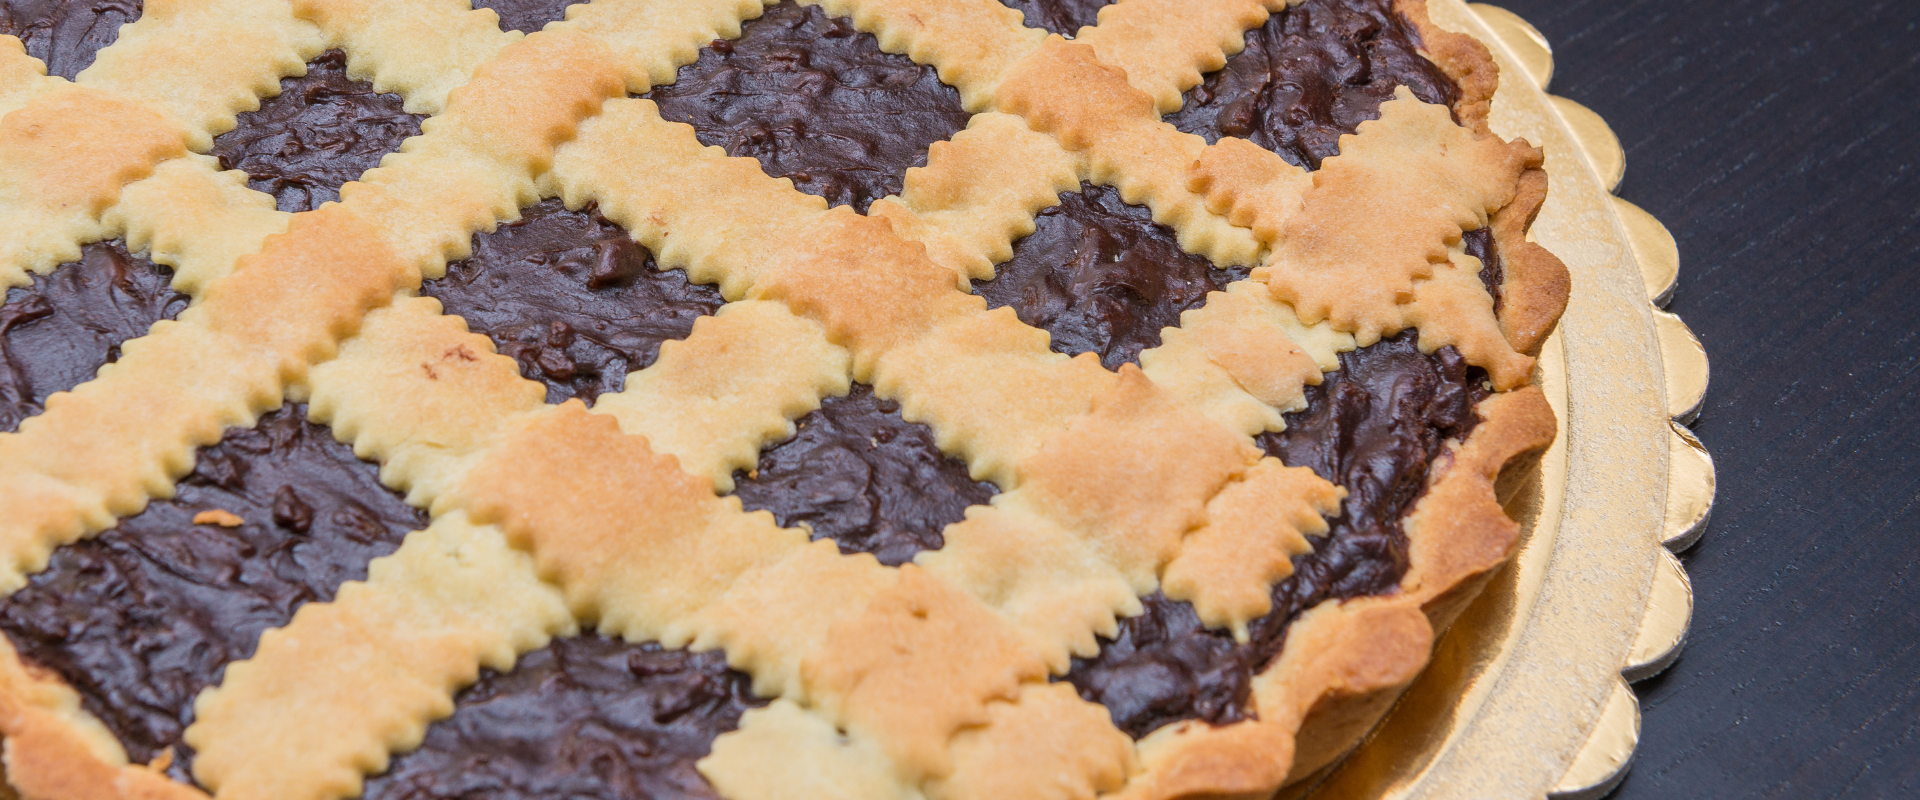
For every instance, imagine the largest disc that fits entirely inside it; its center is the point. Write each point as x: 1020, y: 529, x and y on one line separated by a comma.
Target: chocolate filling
x: 1313, y: 72
x: 1479, y: 244
x: 56, y: 333
x: 143, y: 616
x: 1102, y: 277
x: 817, y: 101
x: 1064, y: 17
x: 858, y: 473
x: 587, y: 718
x: 323, y: 129
x: 66, y: 33
x: 526, y: 16
x: 1373, y: 426
x: 572, y: 297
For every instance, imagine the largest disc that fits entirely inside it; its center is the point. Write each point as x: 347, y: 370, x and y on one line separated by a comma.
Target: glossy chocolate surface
x: 1373, y: 426
x: 572, y: 297
x: 857, y: 473
x: 324, y: 129
x: 66, y: 33
x: 817, y: 101
x: 143, y: 616
x: 1312, y: 73
x: 58, y: 331
x: 1064, y: 17
x: 1101, y: 276
x: 586, y: 718
x: 526, y: 16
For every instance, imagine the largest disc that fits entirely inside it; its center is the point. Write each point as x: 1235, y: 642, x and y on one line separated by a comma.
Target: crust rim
x: 1316, y: 706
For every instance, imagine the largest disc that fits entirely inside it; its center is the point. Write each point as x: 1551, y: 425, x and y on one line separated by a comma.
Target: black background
x: 1777, y: 140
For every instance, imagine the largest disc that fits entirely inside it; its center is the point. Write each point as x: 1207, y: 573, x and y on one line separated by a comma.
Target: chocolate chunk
x: 1064, y: 17
x: 526, y: 16
x: 1102, y: 277
x: 587, y: 718
x: 1373, y: 426
x: 290, y: 512
x: 859, y: 474
x: 324, y: 129
x: 817, y: 101
x: 143, y: 616
x: 572, y: 297
x: 66, y: 33
x: 1480, y: 244
x: 56, y: 333
x: 1313, y: 72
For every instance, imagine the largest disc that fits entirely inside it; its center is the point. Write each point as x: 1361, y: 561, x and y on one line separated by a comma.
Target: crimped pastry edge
x: 1315, y: 703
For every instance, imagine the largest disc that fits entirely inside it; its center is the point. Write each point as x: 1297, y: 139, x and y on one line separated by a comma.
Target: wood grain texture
x: 1776, y: 140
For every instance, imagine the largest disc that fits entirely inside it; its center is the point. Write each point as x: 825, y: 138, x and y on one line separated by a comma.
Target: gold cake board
x: 1527, y: 694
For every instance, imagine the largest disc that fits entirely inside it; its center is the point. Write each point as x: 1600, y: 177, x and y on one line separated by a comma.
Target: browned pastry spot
x: 817, y: 101
x: 587, y: 718
x: 859, y: 474
x: 1374, y: 427
x: 572, y: 297
x: 1064, y: 17
x: 323, y: 129
x: 56, y: 333
x: 1313, y: 72
x: 1102, y: 277
x: 143, y: 616
x: 66, y: 33
x: 526, y: 16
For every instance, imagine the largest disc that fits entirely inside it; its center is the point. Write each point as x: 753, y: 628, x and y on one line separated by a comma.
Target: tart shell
x: 1348, y: 660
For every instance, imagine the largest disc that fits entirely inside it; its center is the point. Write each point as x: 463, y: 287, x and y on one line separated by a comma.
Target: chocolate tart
x: 703, y: 398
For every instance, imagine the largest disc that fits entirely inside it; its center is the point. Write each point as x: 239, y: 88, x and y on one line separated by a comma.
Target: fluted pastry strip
x: 326, y: 698
x: 651, y: 39
x: 196, y: 218
x: 1166, y: 45
x: 736, y: 383
x: 1413, y: 165
x: 21, y: 76
x: 68, y: 150
x: 978, y: 193
x: 203, y: 63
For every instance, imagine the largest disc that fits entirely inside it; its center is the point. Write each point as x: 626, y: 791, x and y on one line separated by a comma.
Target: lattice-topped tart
x: 697, y: 398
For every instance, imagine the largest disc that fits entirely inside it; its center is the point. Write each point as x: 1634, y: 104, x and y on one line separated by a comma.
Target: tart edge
x: 1317, y: 703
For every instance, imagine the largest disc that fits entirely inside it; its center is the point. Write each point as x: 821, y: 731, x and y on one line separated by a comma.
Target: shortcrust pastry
x: 702, y: 398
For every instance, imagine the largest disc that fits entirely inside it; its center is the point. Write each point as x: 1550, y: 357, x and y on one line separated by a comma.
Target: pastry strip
x: 1167, y: 45
x: 324, y: 700
x: 202, y: 63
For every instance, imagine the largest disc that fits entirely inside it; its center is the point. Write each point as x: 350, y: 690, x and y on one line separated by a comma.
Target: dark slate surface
x: 1778, y: 141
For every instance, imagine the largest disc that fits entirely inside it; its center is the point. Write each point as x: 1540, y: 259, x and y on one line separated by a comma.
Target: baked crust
x: 1535, y: 283
x: 1109, y: 478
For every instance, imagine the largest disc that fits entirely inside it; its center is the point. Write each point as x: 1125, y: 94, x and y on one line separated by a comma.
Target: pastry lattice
x: 930, y: 679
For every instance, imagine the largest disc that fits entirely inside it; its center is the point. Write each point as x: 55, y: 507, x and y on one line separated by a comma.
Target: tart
x: 703, y: 398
